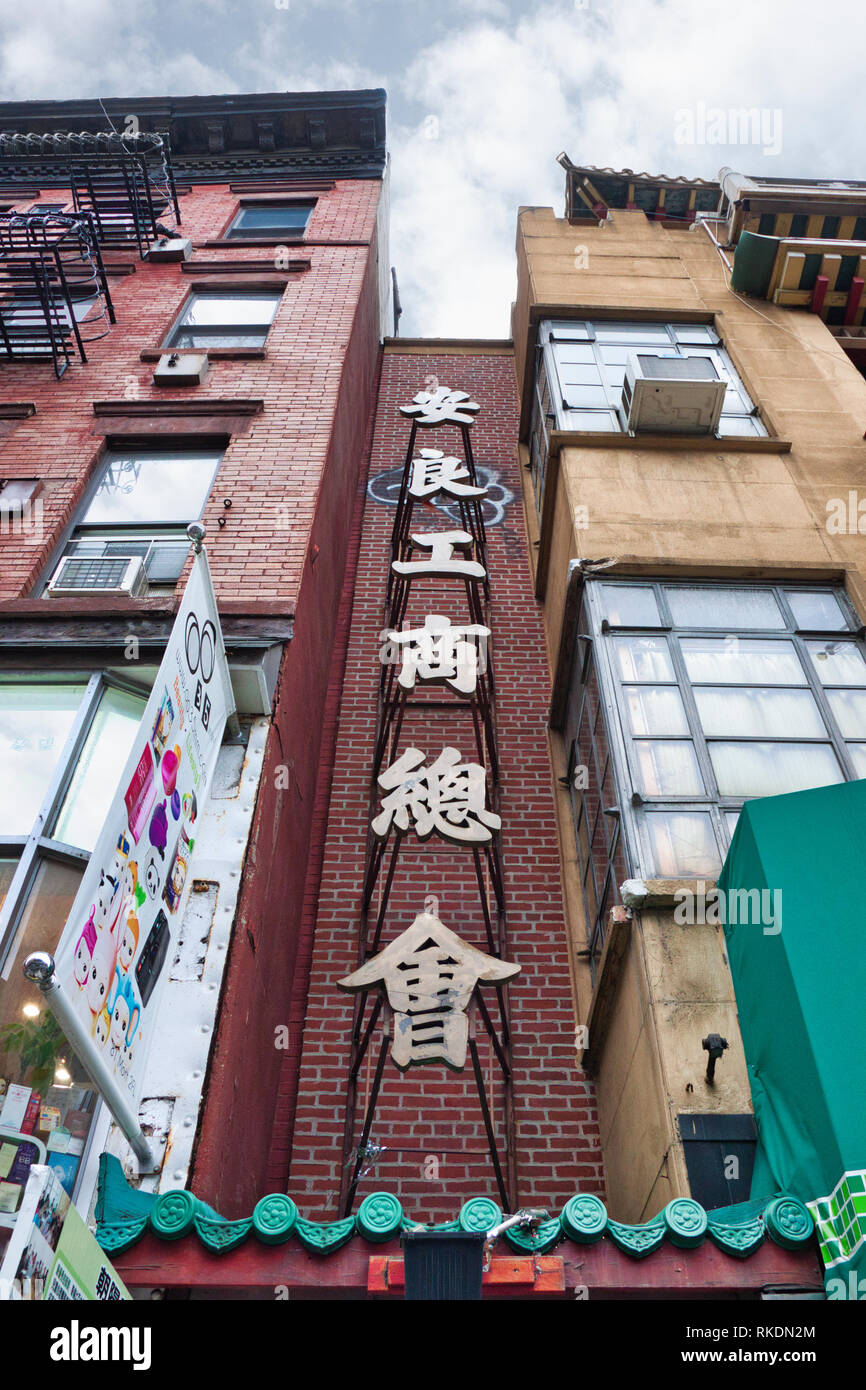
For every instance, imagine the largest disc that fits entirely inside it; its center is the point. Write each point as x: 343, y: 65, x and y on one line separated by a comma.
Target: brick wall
x: 431, y: 1111
x: 271, y: 471
x: 293, y: 478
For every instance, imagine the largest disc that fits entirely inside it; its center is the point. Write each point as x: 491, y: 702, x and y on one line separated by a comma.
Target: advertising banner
x: 53, y: 1254
x: 116, y: 950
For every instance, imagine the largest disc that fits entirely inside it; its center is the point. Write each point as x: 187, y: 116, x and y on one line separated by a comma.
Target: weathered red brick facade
x: 431, y: 1111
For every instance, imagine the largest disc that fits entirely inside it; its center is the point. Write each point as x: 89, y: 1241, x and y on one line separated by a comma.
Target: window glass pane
x: 682, y: 844
x: 638, y: 333
x: 731, y: 818
x: 35, y: 721
x: 578, y: 397
x: 668, y: 768
x: 147, y: 487
x: 849, y: 711
x: 742, y: 660
x: 67, y: 1099
x: 732, y: 609
x: 694, y: 333
x: 816, y: 610
x: 753, y: 712
x: 580, y: 374
x: 838, y: 663
x: 769, y: 769
x: 643, y: 659
x: 655, y: 709
x: 290, y: 215
x: 598, y: 420
x: 204, y: 309
x: 740, y: 425
x: 570, y: 356
x: 95, y: 778
x: 858, y: 755
x: 630, y: 605
x: 616, y: 357
x: 184, y: 338
x: 560, y: 334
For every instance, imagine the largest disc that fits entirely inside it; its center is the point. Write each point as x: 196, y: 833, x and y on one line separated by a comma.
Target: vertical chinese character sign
x: 118, y: 944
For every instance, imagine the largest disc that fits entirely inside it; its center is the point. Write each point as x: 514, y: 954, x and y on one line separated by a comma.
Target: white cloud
x: 605, y: 83
x: 502, y: 85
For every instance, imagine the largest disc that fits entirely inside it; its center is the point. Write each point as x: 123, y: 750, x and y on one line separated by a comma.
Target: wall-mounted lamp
x: 715, y: 1044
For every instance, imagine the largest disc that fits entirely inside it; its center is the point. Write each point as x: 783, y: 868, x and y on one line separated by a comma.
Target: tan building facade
x: 703, y: 597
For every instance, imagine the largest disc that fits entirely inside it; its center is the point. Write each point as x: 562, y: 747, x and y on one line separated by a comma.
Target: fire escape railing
x: 54, y: 293
x: 124, y: 182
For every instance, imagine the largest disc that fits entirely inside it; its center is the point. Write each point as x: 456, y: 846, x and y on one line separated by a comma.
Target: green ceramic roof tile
x: 115, y: 1237
x: 740, y: 1241
x: 324, y: 1239
x: 123, y: 1216
x: 543, y: 1239
x: 638, y: 1240
x: 220, y: 1236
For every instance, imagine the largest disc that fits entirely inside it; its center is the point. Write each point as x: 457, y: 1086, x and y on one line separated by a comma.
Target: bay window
x: 711, y: 694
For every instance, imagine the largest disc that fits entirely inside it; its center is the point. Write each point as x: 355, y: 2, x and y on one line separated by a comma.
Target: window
x: 141, y: 506
x: 61, y: 743
x: 587, y: 364
x: 271, y: 221
x: 215, y: 320
x: 581, y: 368
x: 714, y: 694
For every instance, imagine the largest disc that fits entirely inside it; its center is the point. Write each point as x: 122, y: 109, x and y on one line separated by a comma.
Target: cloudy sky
x: 482, y: 95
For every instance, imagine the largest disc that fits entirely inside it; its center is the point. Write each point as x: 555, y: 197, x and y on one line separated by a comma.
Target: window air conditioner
x: 672, y: 395
x: 103, y: 574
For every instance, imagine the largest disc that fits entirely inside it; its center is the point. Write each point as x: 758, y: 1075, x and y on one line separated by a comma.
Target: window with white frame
x: 61, y: 742
x: 587, y: 363
x: 580, y: 372
x: 139, y: 507
x: 702, y: 696
x: 217, y: 319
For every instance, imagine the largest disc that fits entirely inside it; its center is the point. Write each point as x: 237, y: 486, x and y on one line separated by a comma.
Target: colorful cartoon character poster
x: 114, y: 955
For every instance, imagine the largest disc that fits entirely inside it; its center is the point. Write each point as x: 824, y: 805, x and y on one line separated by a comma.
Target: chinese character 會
x: 429, y: 974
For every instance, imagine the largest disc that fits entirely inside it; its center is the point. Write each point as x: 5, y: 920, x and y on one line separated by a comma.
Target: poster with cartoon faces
x: 115, y: 953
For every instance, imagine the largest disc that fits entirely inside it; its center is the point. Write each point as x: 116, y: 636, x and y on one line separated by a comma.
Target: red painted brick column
x: 430, y: 1111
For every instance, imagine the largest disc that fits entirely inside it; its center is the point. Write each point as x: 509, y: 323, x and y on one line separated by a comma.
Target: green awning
x: 754, y: 259
x: 797, y: 949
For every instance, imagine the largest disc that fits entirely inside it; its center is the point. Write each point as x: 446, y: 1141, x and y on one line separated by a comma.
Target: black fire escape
x: 53, y: 291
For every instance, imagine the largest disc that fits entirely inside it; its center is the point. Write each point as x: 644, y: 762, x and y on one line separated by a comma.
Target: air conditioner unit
x: 98, y: 574
x: 672, y: 395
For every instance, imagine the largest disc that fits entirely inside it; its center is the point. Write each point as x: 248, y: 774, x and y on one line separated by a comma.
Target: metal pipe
x: 39, y: 970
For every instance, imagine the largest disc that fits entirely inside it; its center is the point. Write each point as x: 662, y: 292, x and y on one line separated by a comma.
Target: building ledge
x: 699, y: 443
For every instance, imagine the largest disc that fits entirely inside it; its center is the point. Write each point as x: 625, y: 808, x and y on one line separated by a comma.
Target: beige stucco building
x: 703, y: 592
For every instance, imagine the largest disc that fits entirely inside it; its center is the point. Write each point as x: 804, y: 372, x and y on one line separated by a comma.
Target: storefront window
x: 60, y: 747
x: 34, y: 724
